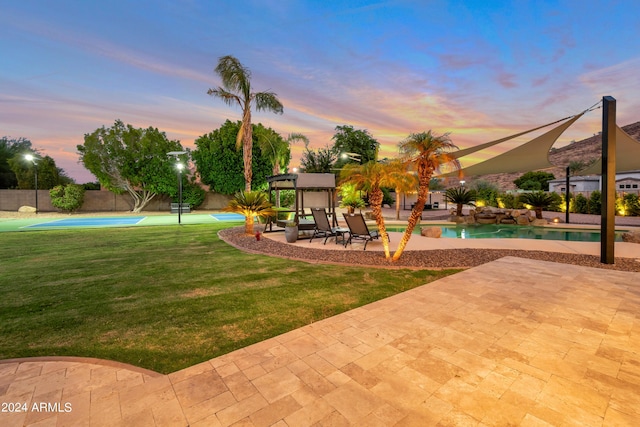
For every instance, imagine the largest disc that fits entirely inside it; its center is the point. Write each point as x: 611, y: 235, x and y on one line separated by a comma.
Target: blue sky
x: 478, y: 69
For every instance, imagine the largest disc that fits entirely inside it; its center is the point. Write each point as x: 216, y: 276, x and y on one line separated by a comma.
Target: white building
x: 625, y: 182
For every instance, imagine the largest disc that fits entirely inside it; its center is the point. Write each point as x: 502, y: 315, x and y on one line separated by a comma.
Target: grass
x: 167, y: 297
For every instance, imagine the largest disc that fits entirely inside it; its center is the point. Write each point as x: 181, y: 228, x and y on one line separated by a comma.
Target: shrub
x: 386, y: 197
x: 509, y: 201
x: 538, y: 201
x: 486, y: 193
x: 595, y: 202
x: 557, y: 202
x: 67, y: 197
x: 628, y: 205
x: 582, y: 204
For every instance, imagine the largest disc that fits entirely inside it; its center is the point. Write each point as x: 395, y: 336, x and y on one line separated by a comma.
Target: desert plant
x: 460, y: 196
x: 538, y: 200
x: 67, y: 197
x: 251, y: 204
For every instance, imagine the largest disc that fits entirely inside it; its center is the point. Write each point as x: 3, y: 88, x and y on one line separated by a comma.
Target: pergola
x: 312, y: 190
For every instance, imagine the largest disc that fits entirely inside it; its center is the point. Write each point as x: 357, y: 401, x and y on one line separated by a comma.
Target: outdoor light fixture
x: 179, y: 166
x: 31, y: 158
x: 462, y: 183
x: 352, y: 156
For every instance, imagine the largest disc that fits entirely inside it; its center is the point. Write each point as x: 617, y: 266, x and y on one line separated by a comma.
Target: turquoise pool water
x: 494, y: 231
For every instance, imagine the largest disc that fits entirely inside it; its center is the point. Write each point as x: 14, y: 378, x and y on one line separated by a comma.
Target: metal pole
x: 35, y: 166
x: 567, y: 197
x: 607, y: 224
x: 179, y: 195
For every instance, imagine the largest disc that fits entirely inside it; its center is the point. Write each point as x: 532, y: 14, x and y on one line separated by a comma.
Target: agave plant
x: 250, y: 204
x: 460, y: 196
x: 538, y: 200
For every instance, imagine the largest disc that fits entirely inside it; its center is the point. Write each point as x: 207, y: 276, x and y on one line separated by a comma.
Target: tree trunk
x: 416, y: 213
x: 375, y: 199
x: 247, y: 149
x: 248, y: 225
x: 459, y: 209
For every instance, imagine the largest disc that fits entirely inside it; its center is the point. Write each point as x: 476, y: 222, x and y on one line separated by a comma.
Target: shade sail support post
x: 607, y: 224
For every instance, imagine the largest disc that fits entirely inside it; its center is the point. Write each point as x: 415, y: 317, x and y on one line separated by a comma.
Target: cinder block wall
x: 99, y: 201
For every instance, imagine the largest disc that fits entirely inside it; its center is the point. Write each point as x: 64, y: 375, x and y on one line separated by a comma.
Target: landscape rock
x: 434, y: 232
x: 539, y: 222
x: 27, y: 209
x: 631, y: 237
x: 522, y: 220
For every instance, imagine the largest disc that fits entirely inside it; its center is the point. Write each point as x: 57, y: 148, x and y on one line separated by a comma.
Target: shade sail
x: 471, y: 150
x: 627, y: 155
x: 533, y: 155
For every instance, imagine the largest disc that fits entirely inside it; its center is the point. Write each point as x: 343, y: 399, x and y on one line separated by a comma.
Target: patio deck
x: 511, y: 342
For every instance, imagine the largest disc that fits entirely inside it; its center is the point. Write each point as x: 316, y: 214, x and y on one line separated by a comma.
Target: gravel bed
x: 432, y: 259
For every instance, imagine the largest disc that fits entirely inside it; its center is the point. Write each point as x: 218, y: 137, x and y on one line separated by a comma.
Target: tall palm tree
x: 402, y: 180
x: 250, y: 204
x: 236, y: 89
x: 370, y: 177
x: 425, y: 152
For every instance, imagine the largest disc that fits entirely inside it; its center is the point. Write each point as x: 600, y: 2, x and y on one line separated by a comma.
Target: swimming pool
x: 502, y: 231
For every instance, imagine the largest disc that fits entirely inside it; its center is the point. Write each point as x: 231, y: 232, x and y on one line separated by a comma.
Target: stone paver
x: 511, y: 342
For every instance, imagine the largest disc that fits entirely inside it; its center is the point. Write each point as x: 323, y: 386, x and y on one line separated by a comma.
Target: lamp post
x: 179, y: 166
x: 31, y: 158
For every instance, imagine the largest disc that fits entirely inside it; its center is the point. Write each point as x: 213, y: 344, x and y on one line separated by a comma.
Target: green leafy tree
x: 192, y: 193
x: 321, y: 160
x: 251, y: 204
x: 49, y: 175
x: 461, y: 196
x: 131, y: 160
x: 220, y: 165
x: 276, y: 148
x: 350, y: 140
x: 528, y: 180
x: 538, y: 200
x: 236, y: 90
x: 68, y: 197
x: 10, y: 148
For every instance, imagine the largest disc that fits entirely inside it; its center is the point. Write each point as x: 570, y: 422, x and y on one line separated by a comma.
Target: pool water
x: 502, y: 231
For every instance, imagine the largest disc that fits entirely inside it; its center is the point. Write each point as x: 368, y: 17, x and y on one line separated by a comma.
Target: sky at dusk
x: 479, y: 69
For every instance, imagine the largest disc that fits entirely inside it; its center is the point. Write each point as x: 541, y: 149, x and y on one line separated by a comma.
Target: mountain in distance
x: 586, y: 150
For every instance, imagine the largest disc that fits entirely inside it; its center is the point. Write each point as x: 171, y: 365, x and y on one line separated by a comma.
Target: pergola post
x: 607, y: 224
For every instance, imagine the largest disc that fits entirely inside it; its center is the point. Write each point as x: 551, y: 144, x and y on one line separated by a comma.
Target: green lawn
x: 166, y: 297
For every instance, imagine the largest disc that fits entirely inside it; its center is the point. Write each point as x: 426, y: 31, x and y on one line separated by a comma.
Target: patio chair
x: 358, y: 229
x: 323, y: 227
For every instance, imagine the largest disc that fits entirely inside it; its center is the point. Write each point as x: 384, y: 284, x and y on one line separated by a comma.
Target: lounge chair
x: 358, y: 229
x: 323, y: 227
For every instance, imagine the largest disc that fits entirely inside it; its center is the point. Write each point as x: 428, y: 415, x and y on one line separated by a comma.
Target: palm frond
x: 268, y: 101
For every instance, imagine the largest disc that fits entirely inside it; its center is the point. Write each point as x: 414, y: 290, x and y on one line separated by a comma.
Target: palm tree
x: 370, y: 177
x: 460, y: 196
x: 539, y: 200
x: 426, y: 152
x: 250, y: 204
x: 236, y: 89
x: 402, y: 180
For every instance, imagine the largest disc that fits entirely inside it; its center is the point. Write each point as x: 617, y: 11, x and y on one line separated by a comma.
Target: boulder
x: 456, y: 219
x: 27, y: 209
x: 522, y: 220
x: 631, y: 237
x: 434, y: 232
x: 539, y: 222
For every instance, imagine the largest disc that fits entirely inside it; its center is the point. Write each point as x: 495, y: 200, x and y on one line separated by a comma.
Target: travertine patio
x: 511, y: 342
